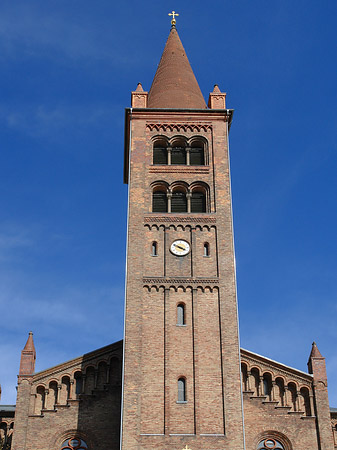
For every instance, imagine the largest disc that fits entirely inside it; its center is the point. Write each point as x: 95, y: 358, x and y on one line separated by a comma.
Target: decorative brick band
x: 179, y: 127
x: 182, y: 281
x: 174, y: 219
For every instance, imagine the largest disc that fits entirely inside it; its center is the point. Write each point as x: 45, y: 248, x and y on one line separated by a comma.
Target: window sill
x: 206, y: 256
x: 181, y: 325
x: 154, y: 256
x: 181, y: 402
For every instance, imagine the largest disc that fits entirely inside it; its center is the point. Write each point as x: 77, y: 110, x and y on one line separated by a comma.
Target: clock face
x: 180, y: 248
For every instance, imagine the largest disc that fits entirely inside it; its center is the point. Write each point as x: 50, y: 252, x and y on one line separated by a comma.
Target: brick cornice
x: 170, y: 218
x: 181, y: 281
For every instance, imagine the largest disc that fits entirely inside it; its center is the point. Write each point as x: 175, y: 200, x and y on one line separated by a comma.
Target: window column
x: 188, y: 156
x: 169, y: 155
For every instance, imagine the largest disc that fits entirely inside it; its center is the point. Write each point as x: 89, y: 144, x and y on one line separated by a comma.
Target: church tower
x: 181, y: 349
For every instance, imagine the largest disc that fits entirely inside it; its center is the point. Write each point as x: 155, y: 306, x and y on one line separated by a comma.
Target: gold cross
x: 173, y: 22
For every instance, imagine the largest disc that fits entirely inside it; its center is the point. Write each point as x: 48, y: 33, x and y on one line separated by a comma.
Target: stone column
x: 169, y: 155
x: 188, y: 156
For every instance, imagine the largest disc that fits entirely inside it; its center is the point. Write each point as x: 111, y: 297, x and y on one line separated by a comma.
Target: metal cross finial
x: 173, y: 23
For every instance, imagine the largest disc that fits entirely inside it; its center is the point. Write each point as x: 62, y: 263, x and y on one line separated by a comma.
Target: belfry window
x: 181, y: 314
x: 179, y: 202
x: 198, y: 202
x: 179, y: 152
x: 197, y: 155
x: 159, y: 201
x: 178, y: 155
x: 159, y: 154
x: 181, y: 390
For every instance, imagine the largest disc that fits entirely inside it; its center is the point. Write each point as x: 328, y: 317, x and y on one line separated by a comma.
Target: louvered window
x: 159, y: 155
x: 197, y: 156
x: 159, y: 201
x: 178, y: 155
x: 181, y: 314
x: 179, y: 202
x: 181, y: 390
x: 198, y: 202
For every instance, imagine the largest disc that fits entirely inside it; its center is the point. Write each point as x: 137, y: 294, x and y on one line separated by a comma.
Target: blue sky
x: 67, y: 69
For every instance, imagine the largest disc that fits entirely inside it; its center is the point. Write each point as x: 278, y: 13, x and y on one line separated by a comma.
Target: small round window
x: 270, y: 444
x: 74, y: 444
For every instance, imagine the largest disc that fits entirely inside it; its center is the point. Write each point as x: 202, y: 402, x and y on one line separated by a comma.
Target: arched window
x: 206, y: 249
x: 52, y: 396
x: 65, y: 390
x: 270, y: 444
x: 293, y: 395
x: 181, y: 390
x: 74, y: 444
x: 159, y: 201
x: 78, y: 383
x: 159, y: 153
x: 178, y: 155
x: 197, y: 154
x: 305, y: 401
x: 40, y: 399
x: 179, y: 202
x: 198, y: 202
x: 154, y: 249
x: 181, y: 314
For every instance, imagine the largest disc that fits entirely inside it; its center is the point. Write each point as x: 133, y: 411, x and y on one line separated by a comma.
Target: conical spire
x: 174, y: 84
x: 315, y: 353
x: 30, y: 343
x: 28, y: 356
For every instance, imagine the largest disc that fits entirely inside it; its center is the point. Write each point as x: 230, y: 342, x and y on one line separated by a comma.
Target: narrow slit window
x: 206, y: 249
x: 154, y: 248
x: 181, y: 390
x: 181, y: 314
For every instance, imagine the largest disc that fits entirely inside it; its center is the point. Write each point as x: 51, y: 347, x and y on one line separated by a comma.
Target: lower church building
x: 179, y: 380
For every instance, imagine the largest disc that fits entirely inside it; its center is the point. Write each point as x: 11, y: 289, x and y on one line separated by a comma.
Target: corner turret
x: 316, y: 366
x: 28, y: 357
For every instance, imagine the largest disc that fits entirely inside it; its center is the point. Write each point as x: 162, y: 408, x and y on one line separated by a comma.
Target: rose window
x: 74, y: 444
x: 270, y: 444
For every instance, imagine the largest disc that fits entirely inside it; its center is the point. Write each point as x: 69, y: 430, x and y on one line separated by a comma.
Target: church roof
x: 174, y: 84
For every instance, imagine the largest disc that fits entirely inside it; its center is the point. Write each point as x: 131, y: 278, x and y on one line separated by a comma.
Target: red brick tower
x: 26, y: 371
x: 181, y: 355
x: 316, y: 366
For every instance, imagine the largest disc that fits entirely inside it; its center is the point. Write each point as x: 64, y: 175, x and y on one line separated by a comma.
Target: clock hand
x: 179, y: 246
